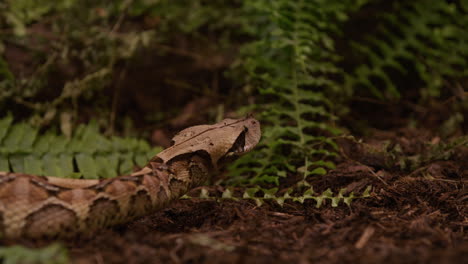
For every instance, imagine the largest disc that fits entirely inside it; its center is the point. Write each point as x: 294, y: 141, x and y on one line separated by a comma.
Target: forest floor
x: 411, y: 216
x: 417, y: 217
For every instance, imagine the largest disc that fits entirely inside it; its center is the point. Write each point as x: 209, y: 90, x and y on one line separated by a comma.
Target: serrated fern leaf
x: 23, y: 149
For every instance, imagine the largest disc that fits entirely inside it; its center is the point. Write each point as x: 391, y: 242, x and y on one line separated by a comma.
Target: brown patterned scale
x: 38, y: 207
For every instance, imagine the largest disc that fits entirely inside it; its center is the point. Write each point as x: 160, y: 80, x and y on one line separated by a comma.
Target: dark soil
x: 418, y: 217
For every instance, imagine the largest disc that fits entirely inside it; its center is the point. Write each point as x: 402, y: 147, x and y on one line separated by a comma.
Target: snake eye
x: 238, y: 147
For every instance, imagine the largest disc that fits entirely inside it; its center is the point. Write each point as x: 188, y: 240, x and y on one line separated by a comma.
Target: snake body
x: 49, y: 207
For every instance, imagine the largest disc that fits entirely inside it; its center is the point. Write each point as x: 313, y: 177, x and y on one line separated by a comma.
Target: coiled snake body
x: 49, y: 207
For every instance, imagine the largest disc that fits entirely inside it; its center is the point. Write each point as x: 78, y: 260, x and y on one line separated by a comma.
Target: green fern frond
x: 293, y: 66
x: 23, y: 149
x: 426, y: 37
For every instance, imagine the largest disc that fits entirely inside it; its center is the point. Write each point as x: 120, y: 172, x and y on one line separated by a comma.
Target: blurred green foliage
x: 23, y: 149
x: 52, y: 254
x: 59, y: 55
x: 415, y: 41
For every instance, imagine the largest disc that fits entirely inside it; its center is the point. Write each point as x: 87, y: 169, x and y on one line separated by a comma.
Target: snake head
x: 224, y: 140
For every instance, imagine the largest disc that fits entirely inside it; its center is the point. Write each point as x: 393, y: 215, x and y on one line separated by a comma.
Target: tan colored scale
x: 49, y: 207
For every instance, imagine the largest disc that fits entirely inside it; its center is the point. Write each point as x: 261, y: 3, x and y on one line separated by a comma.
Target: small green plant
x: 441, y: 151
